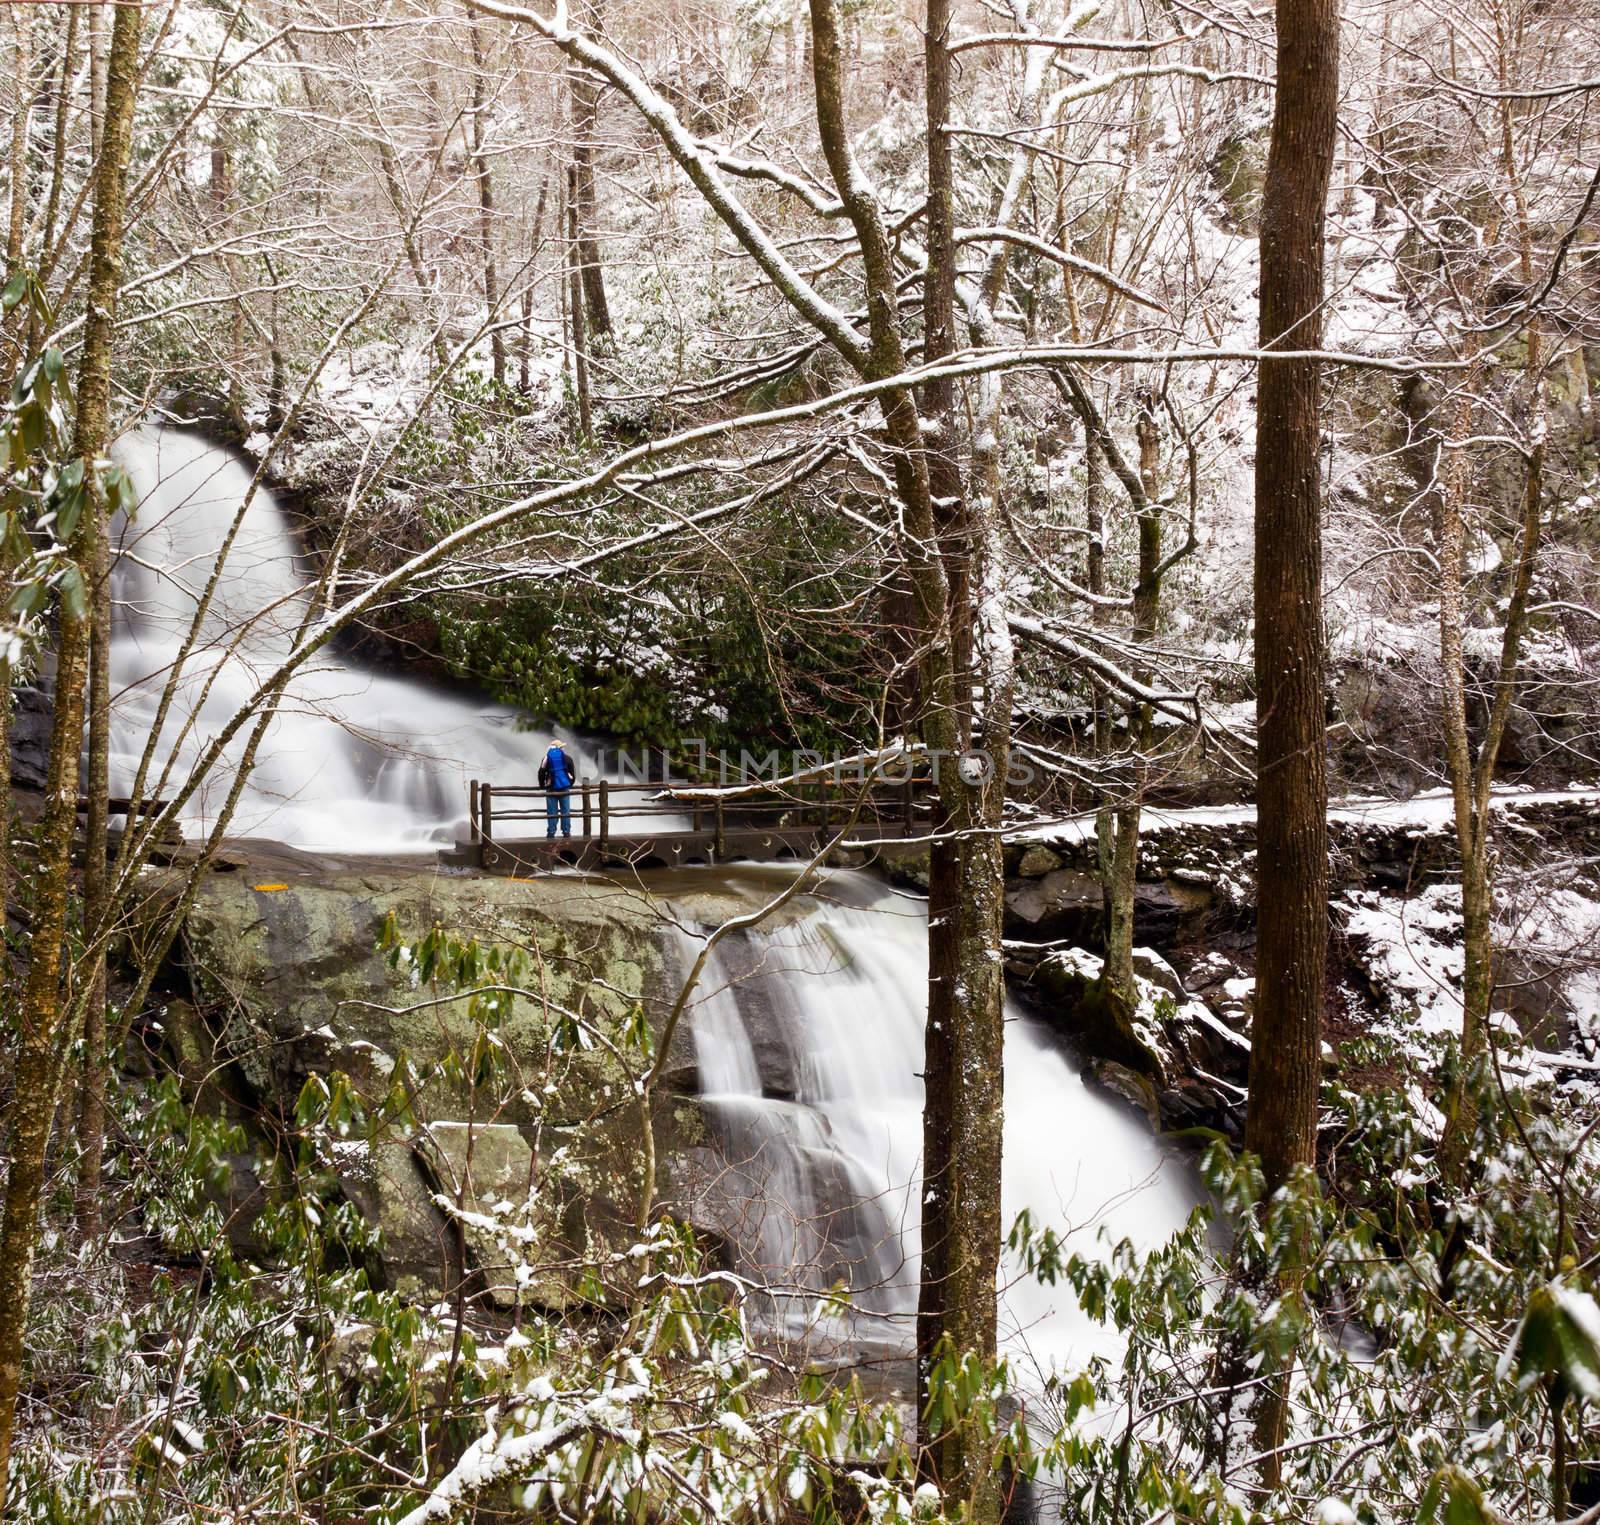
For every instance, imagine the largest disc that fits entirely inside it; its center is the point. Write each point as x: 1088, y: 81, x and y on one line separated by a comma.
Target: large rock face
x: 283, y: 956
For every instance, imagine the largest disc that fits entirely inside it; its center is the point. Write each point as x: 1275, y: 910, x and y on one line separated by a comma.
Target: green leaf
x: 74, y: 596
x: 53, y: 364
x: 14, y: 291
x: 120, y: 492
x: 1559, y: 1337
x: 28, y: 600
x: 1453, y: 1498
x: 68, y: 514
x: 31, y: 422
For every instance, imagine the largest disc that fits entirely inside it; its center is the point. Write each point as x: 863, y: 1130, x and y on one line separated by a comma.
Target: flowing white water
x: 808, y: 1037
x: 808, y: 1040
x: 354, y: 759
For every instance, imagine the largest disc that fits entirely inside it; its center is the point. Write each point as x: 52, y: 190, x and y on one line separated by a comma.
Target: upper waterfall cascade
x: 354, y: 759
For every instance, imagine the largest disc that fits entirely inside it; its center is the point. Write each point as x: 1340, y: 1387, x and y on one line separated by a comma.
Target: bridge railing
x: 606, y: 811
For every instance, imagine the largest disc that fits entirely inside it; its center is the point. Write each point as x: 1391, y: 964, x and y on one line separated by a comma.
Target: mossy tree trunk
x: 40, y: 1017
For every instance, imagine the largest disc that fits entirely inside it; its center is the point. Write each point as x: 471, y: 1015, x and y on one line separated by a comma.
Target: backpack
x: 555, y: 772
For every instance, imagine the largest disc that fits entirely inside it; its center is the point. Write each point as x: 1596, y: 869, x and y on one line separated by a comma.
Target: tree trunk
x: 39, y: 1019
x: 22, y: 112
x: 491, y: 274
x: 962, y: 1062
x: 1292, y: 786
x: 15, y: 227
x: 580, y: 316
x: 944, y: 865
x: 58, y: 146
x: 1472, y: 778
x: 585, y: 113
x: 1292, y: 783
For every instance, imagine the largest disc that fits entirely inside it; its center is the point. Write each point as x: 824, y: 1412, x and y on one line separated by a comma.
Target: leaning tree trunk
x: 1121, y: 829
x: 16, y: 224
x: 1292, y: 785
x: 1472, y: 779
x: 40, y: 1017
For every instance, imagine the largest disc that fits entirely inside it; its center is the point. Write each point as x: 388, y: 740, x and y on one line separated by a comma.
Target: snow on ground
x: 1428, y: 810
x: 1412, y: 952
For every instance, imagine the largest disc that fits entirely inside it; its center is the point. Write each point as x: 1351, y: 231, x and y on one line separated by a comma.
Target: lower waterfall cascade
x: 815, y: 1175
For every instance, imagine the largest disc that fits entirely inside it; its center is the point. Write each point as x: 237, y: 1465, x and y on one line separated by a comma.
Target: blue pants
x: 562, y: 799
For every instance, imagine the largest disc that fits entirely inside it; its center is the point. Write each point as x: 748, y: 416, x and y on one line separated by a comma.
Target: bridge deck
x: 622, y: 826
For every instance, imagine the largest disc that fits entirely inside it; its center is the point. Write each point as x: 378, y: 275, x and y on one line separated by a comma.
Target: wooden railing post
x: 587, y: 829
x: 720, y: 843
x: 605, y: 810
x: 486, y: 811
x: 911, y: 802
x: 472, y: 811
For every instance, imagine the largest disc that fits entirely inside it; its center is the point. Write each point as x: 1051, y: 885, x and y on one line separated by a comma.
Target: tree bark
x: 96, y: 881
x: 1292, y: 783
x: 1291, y: 788
x: 58, y: 146
x: 1472, y: 778
x: 40, y: 1016
x: 580, y: 315
x: 15, y: 227
x: 22, y: 112
x: 963, y: 1071
x: 1117, y: 979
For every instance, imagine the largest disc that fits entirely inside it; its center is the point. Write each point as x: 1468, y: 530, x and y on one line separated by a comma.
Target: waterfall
x: 808, y: 1045
x: 354, y: 759
x: 807, y: 1035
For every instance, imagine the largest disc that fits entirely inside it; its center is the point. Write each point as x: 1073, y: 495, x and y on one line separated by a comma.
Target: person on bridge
x: 557, y: 774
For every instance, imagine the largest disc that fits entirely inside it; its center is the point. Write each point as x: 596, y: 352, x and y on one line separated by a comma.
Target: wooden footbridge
x: 663, y: 825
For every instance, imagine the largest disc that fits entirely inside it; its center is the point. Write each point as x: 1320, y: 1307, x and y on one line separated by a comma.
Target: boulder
x: 1037, y: 861
x: 1064, y: 904
x: 489, y: 1169
x: 385, y: 1181
x: 283, y: 955
x: 1134, y: 1088
x: 1068, y: 983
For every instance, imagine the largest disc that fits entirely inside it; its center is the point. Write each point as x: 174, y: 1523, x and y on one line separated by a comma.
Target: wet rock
x: 1150, y: 966
x: 1136, y: 1089
x: 489, y: 1170
x: 1067, y: 989
x: 385, y: 1181
x: 906, y: 866
x: 30, y: 738
x: 286, y: 966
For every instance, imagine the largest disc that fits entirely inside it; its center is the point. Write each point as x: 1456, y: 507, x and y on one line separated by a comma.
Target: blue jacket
x: 556, y: 771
